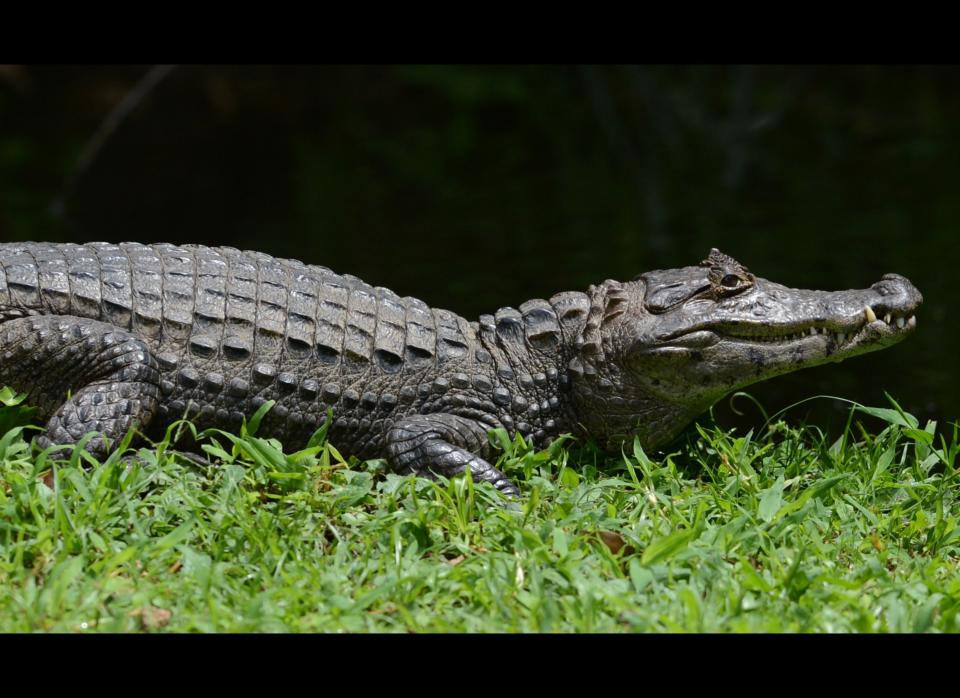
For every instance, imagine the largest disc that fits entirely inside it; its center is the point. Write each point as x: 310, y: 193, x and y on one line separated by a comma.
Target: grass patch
x: 789, y: 531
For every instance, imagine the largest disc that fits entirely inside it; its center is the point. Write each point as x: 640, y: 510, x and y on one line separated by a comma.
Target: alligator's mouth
x: 837, y: 335
x: 870, y: 326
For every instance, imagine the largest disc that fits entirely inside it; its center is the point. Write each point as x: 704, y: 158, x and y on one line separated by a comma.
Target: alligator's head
x: 659, y: 350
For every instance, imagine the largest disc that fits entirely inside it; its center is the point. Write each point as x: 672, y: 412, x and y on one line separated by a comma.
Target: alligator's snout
x: 900, y: 292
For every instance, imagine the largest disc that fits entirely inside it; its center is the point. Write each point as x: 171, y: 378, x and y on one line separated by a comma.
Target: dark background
x: 478, y: 187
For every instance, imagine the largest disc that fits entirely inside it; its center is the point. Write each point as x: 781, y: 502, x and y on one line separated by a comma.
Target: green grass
x: 786, y: 531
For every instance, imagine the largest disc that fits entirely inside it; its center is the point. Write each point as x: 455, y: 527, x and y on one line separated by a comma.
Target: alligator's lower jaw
x: 876, y: 334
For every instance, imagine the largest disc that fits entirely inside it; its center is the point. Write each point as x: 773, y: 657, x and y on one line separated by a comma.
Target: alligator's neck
x: 532, y: 347
x: 606, y: 407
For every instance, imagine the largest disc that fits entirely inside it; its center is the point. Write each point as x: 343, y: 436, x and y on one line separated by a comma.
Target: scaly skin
x: 142, y: 335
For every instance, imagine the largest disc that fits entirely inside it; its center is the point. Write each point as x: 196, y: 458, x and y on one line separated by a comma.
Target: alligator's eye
x: 730, y: 281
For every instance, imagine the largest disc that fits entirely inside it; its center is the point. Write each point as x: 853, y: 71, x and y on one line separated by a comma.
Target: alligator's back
x: 227, y: 304
x: 230, y: 329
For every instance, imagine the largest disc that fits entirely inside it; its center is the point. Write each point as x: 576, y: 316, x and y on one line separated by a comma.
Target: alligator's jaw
x: 819, y: 343
x: 772, y: 330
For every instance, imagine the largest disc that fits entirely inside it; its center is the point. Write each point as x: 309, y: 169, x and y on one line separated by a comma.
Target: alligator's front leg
x: 85, y: 375
x: 445, y: 444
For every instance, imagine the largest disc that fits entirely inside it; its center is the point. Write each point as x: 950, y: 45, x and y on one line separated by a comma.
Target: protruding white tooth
x: 813, y: 331
x: 841, y: 337
x: 886, y: 318
x: 900, y: 322
x: 869, y: 314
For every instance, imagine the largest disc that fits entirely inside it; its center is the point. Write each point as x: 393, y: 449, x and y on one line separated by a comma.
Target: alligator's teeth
x: 886, y: 318
x: 869, y: 314
x: 841, y: 337
x: 900, y: 322
x: 813, y: 331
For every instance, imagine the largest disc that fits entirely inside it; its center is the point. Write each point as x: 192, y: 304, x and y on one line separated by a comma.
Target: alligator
x: 108, y: 337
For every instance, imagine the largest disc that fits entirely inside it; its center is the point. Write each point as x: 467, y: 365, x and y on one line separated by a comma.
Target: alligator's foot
x: 444, y: 444
x: 109, y: 378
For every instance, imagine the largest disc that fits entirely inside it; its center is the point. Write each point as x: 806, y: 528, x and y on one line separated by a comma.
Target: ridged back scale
x: 219, y: 318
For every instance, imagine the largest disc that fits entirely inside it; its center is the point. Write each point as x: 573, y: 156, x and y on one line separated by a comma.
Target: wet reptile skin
x: 142, y: 335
